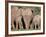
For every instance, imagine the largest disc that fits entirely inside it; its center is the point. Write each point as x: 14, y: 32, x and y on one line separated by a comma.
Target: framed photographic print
x: 25, y: 18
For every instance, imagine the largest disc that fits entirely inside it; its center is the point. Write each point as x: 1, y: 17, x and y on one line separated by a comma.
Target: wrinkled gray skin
x: 36, y: 22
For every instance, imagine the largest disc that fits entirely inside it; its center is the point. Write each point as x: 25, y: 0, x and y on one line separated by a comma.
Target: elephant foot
x: 12, y: 28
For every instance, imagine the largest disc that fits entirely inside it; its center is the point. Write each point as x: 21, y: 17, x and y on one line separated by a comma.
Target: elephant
x: 36, y: 24
x: 27, y: 14
x: 15, y: 17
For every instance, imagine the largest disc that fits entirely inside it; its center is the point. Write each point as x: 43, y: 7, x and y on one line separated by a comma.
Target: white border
x: 9, y: 18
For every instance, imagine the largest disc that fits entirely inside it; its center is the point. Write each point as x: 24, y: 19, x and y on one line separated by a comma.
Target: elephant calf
x: 36, y: 24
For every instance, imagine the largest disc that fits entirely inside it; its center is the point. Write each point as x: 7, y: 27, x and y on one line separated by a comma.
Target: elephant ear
x: 33, y: 12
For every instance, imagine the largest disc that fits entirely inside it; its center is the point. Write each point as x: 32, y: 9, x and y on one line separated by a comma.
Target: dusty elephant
x: 36, y: 24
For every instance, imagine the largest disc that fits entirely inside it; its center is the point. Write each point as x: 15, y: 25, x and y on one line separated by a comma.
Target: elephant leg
x: 13, y: 27
x: 12, y: 24
x: 17, y: 25
x: 31, y: 26
x: 39, y: 26
x: 20, y: 23
x: 35, y: 26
